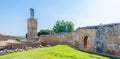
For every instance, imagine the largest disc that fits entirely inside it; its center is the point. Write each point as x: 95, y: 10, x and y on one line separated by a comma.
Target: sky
x: 14, y: 13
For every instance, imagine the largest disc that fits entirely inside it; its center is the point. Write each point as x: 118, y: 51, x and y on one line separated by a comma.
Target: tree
x: 18, y: 40
x: 62, y: 26
x: 26, y: 35
x: 45, y: 32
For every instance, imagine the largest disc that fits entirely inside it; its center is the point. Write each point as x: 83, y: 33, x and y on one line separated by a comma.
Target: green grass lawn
x: 55, y: 52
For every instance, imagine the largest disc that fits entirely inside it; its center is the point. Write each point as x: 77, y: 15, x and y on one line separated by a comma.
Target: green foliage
x: 56, y: 52
x: 18, y: 40
x: 26, y: 35
x: 62, y: 26
x: 46, y: 31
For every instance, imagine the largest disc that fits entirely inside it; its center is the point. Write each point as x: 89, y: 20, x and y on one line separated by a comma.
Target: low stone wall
x: 17, y: 47
x: 35, y: 44
x: 61, y: 38
x: 22, y: 45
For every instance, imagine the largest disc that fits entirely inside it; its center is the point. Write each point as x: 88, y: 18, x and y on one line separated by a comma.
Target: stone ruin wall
x: 103, y: 39
x: 61, y: 38
x: 109, y: 38
x: 74, y: 39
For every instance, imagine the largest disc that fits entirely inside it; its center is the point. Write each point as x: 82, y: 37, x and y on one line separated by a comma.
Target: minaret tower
x: 31, y: 26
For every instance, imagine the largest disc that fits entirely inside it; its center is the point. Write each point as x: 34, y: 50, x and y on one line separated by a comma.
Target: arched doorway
x: 87, y: 43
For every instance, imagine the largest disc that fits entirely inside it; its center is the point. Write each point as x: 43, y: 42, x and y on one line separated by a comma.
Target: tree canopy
x: 45, y: 32
x: 62, y: 26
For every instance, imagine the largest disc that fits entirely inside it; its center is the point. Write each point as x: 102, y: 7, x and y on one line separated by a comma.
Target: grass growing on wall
x: 55, y: 52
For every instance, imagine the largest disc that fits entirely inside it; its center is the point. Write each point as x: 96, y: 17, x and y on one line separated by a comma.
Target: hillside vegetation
x: 55, y: 52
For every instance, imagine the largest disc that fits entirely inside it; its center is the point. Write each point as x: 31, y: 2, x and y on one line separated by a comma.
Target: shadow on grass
x: 101, y: 54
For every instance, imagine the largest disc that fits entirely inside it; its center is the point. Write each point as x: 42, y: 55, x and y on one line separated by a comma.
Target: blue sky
x: 14, y: 13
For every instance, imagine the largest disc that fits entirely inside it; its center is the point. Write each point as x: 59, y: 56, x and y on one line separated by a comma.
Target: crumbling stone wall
x: 111, y: 39
x: 23, y: 45
x: 106, y: 39
x: 61, y: 38
x: 101, y: 38
x: 74, y: 39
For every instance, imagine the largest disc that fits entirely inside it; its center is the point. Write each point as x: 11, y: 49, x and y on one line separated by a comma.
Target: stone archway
x: 86, y: 42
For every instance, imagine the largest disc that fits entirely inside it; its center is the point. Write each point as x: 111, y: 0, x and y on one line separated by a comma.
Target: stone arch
x: 86, y: 42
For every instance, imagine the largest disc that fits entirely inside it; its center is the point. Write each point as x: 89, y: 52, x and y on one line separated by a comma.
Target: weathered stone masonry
x: 31, y: 27
x: 101, y: 38
x: 106, y: 39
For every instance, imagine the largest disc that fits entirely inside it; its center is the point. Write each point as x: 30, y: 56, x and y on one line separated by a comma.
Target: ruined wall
x: 105, y: 38
x: 108, y: 38
x: 61, y: 38
x: 101, y: 38
x: 23, y: 45
x: 74, y: 39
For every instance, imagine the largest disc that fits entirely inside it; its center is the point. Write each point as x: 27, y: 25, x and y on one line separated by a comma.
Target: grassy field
x: 55, y: 52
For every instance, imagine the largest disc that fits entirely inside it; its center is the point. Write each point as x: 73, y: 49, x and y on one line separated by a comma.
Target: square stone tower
x: 32, y: 27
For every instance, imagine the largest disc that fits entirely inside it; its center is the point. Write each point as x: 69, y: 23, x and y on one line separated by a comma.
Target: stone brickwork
x: 90, y: 33
x: 101, y: 38
x: 106, y: 38
x: 18, y: 47
x: 61, y: 38
x: 31, y: 27
x: 23, y: 45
